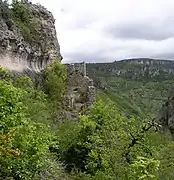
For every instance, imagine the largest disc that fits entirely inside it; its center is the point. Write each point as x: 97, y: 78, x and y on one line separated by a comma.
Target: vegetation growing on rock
x: 23, y: 17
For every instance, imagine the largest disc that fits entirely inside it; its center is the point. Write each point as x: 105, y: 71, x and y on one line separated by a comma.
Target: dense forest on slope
x: 138, y: 86
x: 114, y: 138
x: 102, y: 144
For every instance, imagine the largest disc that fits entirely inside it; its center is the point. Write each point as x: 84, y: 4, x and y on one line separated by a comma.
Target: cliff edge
x: 28, y: 35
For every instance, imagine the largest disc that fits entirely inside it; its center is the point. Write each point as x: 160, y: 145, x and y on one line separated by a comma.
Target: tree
x: 30, y: 138
x: 144, y: 169
x: 54, y: 86
x: 55, y: 80
x: 107, y: 145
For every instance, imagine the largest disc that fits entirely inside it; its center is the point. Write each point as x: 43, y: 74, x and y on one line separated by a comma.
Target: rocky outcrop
x: 36, y: 53
x: 166, y: 115
x: 80, y: 92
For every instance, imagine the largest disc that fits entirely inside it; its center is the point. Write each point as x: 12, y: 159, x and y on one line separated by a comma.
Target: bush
x: 107, y: 145
x: 24, y: 138
x: 55, y: 81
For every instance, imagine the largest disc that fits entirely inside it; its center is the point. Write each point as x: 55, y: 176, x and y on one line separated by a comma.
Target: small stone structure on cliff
x: 80, y: 90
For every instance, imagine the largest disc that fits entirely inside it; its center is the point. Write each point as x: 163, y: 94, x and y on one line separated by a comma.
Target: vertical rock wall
x: 31, y: 55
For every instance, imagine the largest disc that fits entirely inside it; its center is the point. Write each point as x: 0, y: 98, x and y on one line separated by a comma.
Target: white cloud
x: 94, y: 30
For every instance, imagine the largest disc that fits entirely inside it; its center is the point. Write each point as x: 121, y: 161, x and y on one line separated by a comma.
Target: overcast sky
x: 108, y: 30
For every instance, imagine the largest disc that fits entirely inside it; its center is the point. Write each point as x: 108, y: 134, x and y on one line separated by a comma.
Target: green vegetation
x: 5, y: 13
x: 23, y: 17
x: 29, y: 136
x: 105, y: 144
x: 138, y: 89
x: 115, y: 138
x: 25, y: 128
x: 142, y: 98
x: 55, y: 82
x: 54, y: 86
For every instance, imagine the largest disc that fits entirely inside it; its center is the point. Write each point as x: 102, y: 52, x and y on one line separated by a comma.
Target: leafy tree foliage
x: 25, y: 133
x: 104, y: 144
x: 54, y: 86
x: 55, y: 80
x: 107, y: 145
x: 167, y: 162
x: 30, y: 138
x: 144, y: 168
x: 4, y: 140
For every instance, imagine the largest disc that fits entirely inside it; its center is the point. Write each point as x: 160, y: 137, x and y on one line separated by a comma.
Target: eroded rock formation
x: 80, y: 93
x: 36, y: 53
x: 166, y: 115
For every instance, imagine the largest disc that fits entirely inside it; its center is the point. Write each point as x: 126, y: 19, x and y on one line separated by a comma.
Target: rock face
x: 166, y: 115
x: 36, y: 53
x: 80, y: 90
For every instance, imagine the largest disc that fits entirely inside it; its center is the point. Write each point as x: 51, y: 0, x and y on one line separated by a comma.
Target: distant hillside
x: 138, y: 86
x: 135, y: 69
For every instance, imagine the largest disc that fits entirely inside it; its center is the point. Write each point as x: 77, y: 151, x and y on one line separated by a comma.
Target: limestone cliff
x: 28, y: 35
x: 166, y: 115
x: 80, y: 89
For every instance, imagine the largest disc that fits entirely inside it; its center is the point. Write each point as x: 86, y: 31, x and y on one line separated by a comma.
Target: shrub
x: 30, y: 138
x: 23, y: 17
x: 55, y: 80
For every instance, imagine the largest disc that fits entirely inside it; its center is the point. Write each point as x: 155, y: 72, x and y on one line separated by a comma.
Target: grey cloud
x: 111, y: 55
x: 87, y: 57
x: 165, y: 56
x: 151, y: 38
x: 145, y: 29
